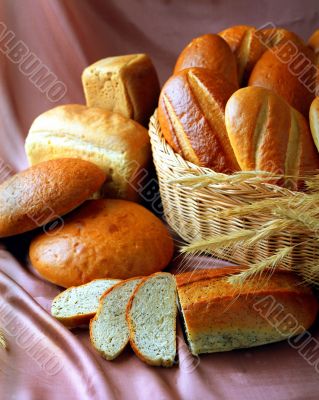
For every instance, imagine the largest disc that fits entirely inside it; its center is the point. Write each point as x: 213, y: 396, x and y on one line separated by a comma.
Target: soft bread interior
x: 152, y: 320
x: 109, y: 330
x: 80, y: 300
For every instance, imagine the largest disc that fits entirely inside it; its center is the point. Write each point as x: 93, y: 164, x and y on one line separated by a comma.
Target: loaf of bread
x: 211, y: 52
x: 191, y: 116
x: 313, y: 41
x: 219, y: 316
x: 45, y: 192
x: 78, y: 304
x: 285, y: 70
x: 269, y: 135
x: 114, y: 239
x: 314, y: 121
x: 248, y: 44
x: 124, y: 84
x: 109, y: 331
x: 118, y: 145
x: 151, y: 316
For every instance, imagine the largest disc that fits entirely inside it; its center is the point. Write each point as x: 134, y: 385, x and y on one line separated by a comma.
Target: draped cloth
x: 44, y: 46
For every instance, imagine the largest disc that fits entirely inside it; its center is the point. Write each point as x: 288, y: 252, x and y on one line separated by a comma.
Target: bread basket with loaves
x: 238, y: 169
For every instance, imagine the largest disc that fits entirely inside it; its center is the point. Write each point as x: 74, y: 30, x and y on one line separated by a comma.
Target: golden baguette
x: 269, y: 135
x: 191, y: 115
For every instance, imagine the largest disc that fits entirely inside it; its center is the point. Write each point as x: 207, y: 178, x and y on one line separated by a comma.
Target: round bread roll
x: 313, y: 41
x: 103, y: 239
x: 44, y: 192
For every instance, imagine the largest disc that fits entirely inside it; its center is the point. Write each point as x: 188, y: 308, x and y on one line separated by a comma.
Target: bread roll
x: 118, y: 145
x: 249, y: 44
x: 124, y: 84
x: 247, y: 47
x: 314, y: 121
x: 211, y: 52
x: 114, y: 239
x: 313, y: 41
x: 46, y: 192
x: 220, y: 316
x: 269, y: 135
x: 286, y: 69
x: 191, y: 116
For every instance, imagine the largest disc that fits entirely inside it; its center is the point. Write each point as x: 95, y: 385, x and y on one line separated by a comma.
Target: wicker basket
x: 194, y: 212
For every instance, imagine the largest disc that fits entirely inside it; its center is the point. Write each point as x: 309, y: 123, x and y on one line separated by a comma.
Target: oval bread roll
x: 211, y: 52
x: 116, y: 144
x: 44, y: 192
x: 269, y: 135
x: 314, y: 121
x: 191, y: 116
x: 290, y: 76
x: 113, y: 239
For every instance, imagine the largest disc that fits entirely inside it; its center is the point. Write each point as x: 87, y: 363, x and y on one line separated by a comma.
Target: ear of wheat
x: 298, y: 213
x: 3, y: 342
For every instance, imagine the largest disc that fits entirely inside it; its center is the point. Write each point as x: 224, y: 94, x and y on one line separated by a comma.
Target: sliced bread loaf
x: 78, y: 304
x: 109, y: 331
x: 151, y: 316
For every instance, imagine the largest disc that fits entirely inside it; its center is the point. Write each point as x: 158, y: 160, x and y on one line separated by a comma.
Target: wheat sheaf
x: 297, y: 214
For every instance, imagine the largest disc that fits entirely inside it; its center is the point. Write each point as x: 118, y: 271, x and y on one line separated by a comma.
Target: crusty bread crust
x: 44, y: 192
x: 114, y: 239
x: 135, y: 348
x: 79, y: 319
x: 212, y: 52
x: 220, y: 316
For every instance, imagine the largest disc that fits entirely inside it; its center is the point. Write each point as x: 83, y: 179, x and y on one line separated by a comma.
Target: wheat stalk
x: 218, y: 242
x: 3, y: 342
x: 255, y: 269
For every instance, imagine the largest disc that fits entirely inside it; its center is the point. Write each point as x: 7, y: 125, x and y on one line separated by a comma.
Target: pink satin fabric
x: 44, y: 360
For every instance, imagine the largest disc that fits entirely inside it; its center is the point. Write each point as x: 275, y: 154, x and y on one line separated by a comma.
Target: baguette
x: 219, y: 316
x: 151, y: 315
x: 109, y: 332
x: 269, y: 135
x: 78, y: 304
x: 191, y: 116
x: 211, y: 52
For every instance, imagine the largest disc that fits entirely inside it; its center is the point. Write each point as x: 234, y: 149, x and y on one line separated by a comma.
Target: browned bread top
x: 313, y: 41
x: 234, y: 35
x: 103, y: 239
x: 269, y: 135
x: 285, y: 70
x: 191, y: 116
x: 45, y: 192
x: 212, y: 306
x: 212, y: 52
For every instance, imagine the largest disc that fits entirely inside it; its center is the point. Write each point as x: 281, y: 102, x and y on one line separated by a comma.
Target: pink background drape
x: 67, y: 36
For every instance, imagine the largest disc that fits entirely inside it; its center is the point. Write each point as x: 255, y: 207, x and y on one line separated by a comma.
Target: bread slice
x: 78, y: 304
x: 151, y: 316
x: 109, y: 331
